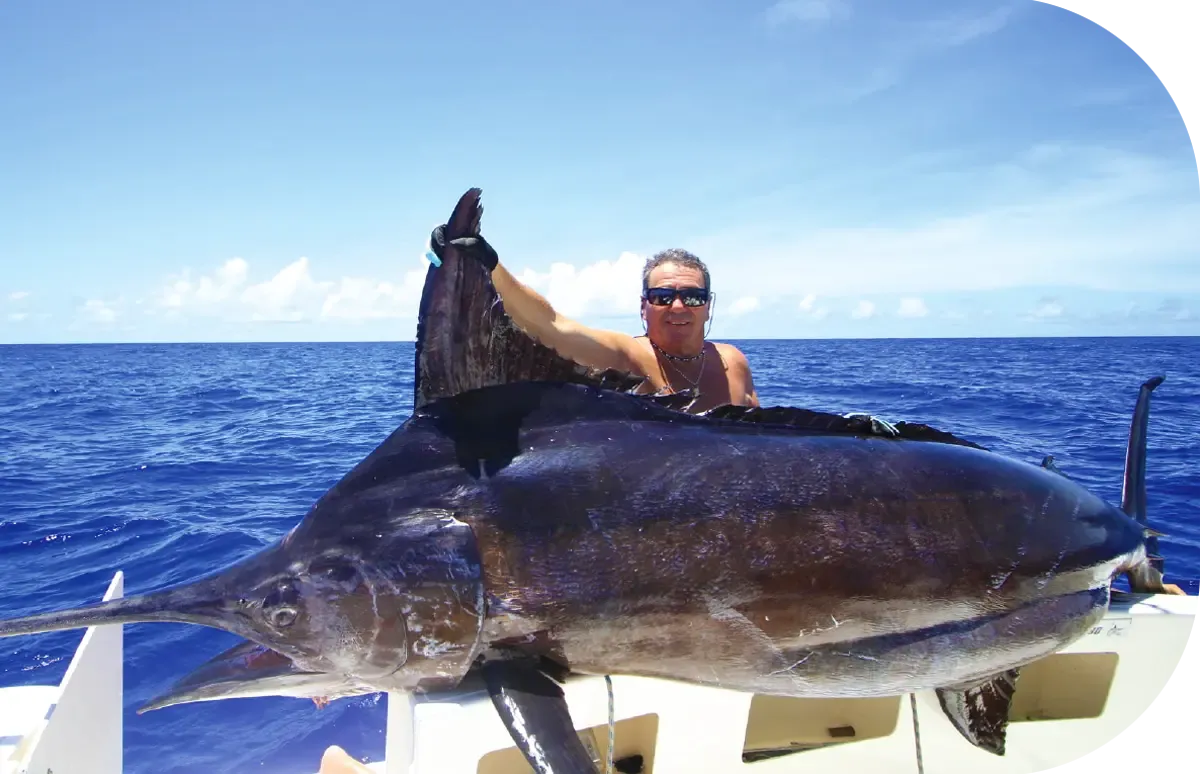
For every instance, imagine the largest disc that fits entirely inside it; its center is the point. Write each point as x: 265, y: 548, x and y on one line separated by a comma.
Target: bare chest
x: 709, y: 376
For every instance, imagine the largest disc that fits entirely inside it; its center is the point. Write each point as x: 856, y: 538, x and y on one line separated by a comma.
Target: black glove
x: 476, y: 247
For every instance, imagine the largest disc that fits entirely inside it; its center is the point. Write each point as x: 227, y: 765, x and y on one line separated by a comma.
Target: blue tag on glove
x: 431, y: 256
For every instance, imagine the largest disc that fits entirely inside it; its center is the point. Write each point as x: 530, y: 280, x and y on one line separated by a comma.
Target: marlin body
x: 534, y: 519
x: 767, y: 559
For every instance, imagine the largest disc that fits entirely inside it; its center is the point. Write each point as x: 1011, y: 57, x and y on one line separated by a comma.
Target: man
x: 673, y: 356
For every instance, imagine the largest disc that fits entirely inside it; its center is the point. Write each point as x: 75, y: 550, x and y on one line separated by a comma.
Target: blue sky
x: 228, y: 171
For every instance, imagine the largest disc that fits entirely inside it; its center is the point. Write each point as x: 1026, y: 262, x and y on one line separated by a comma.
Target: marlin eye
x: 282, y: 596
x: 283, y: 617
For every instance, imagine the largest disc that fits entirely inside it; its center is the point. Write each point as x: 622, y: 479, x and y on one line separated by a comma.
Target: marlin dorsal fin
x: 465, y: 339
x: 826, y: 422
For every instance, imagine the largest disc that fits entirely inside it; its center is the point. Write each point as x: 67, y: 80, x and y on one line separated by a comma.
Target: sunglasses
x: 667, y: 296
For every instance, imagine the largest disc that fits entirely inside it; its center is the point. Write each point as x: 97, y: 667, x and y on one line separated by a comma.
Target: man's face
x: 676, y: 320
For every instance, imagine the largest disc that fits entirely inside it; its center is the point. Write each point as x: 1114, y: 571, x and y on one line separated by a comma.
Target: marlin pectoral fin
x: 535, y: 713
x: 980, y: 711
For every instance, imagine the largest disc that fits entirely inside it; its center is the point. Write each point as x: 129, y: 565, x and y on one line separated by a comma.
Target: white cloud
x: 98, y: 311
x: 743, y: 305
x: 863, y: 310
x: 206, y: 292
x: 964, y: 29
x: 912, y: 307
x: 808, y: 307
x: 17, y: 316
x: 364, y: 299
x: 1046, y: 309
x: 17, y: 295
x: 1048, y: 216
x: 604, y: 287
x: 1174, y: 309
x: 291, y: 295
x: 913, y: 40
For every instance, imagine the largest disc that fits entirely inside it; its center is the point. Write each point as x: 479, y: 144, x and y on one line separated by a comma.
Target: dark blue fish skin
x: 674, y: 541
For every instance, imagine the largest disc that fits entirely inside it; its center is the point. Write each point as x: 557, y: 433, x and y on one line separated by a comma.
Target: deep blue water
x: 168, y: 461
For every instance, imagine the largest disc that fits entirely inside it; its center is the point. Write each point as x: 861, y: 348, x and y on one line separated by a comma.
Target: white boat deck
x: 1066, y: 706
x: 76, y: 726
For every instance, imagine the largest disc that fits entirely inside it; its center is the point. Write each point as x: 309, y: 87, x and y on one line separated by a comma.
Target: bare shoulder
x: 641, y: 354
x: 737, y: 367
x: 732, y: 357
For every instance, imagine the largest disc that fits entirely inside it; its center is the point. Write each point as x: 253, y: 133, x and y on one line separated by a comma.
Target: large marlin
x: 518, y: 532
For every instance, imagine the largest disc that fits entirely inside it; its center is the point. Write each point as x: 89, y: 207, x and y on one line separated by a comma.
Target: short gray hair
x: 678, y: 256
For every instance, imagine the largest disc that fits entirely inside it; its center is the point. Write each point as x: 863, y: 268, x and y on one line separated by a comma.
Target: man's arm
x: 742, y: 381
x: 532, y: 313
x: 591, y: 347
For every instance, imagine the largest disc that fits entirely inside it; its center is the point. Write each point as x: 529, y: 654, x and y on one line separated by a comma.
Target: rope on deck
x: 912, y: 698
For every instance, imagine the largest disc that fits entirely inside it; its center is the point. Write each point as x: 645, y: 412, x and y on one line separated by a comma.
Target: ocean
x: 168, y: 461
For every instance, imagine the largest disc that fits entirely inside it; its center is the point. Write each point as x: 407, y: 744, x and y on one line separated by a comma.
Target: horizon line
x: 226, y: 342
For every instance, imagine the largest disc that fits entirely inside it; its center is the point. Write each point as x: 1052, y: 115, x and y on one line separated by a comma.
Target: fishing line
x: 611, y: 724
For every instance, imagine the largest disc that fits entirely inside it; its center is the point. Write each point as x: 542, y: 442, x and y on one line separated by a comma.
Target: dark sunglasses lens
x: 666, y: 296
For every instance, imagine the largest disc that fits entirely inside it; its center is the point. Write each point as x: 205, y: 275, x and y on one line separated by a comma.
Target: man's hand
x: 476, y: 247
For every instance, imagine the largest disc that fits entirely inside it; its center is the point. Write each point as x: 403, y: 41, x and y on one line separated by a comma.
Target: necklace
x: 677, y: 358
x: 695, y: 383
